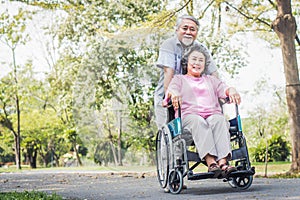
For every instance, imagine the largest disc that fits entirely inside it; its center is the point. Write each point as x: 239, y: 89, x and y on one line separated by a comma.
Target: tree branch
x: 172, y: 14
x: 297, y: 39
x: 258, y: 19
x: 204, y: 11
x: 273, y: 4
x: 247, y: 16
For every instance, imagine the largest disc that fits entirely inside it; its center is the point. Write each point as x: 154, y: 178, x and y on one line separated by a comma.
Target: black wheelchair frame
x: 171, y: 171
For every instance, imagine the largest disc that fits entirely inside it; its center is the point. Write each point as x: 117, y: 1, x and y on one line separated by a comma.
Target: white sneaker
x: 166, y: 190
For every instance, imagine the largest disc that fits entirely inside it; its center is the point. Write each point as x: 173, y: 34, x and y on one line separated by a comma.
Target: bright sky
x: 35, y: 48
x: 263, y: 63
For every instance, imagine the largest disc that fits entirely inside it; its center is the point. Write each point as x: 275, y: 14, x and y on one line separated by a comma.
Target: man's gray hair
x: 179, y: 20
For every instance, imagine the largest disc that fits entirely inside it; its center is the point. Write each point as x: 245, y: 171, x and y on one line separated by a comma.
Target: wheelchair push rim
x: 162, y: 158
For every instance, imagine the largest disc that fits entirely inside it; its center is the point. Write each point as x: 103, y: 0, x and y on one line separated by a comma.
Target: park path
x: 91, y: 185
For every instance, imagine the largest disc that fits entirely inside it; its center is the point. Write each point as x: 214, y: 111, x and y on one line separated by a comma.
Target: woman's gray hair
x: 179, y: 20
x: 187, y: 53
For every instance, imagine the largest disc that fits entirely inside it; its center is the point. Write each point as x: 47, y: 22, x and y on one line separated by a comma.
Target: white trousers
x: 211, y: 135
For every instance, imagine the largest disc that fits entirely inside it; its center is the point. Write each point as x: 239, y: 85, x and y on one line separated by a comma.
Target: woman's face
x: 196, y: 64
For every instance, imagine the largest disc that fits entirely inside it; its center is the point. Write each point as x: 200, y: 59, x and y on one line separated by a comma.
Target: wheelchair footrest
x: 206, y: 175
x: 198, y: 176
x: 241, y: 173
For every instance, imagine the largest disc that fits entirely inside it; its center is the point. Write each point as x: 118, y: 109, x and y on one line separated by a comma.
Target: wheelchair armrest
x: 233, y: 129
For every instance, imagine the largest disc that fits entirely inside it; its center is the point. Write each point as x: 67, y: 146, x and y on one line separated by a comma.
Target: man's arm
x: 215, y: 74
x: 168, y: 75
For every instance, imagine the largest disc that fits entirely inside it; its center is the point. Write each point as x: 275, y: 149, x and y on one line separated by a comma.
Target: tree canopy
x: 101, y: 56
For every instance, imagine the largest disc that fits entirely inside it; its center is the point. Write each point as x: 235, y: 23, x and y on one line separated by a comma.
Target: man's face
x: 187, y: 32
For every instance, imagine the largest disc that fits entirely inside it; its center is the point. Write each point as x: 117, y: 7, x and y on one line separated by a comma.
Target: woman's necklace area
x: 193, y: 76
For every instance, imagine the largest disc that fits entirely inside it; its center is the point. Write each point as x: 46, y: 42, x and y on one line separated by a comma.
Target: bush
x: 6, y: 156
x: 278, y: 149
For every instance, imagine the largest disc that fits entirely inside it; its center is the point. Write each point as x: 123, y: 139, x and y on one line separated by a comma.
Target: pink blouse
x: 199, y: 95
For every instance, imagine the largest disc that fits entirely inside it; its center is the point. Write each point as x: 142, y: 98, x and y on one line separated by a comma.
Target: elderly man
x: 169, y: 61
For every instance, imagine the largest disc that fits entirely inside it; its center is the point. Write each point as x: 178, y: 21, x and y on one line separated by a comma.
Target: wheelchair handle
x: 236, y: 106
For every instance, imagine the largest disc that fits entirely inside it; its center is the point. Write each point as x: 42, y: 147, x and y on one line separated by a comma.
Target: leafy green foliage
x: 43, y: 134
x: 12, y: 28
x: 268, y: 125
x: 103, y: 153
x: 106, y: 63
x: 117, y: 66
x: 12, y: 34
x: 6, y: 156
x: 278, y: 149
x: 27, y: 195
x: 104, y: 18
x: 229, y: 58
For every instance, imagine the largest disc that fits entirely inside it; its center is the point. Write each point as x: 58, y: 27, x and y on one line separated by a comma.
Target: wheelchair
x: 172, y: 169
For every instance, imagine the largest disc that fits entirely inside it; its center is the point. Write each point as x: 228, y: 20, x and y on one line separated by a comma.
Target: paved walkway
x: 127, y: 185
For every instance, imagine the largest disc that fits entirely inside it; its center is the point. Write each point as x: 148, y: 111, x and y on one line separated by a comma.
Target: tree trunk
x: 120, y: 140
x: 75, y: 147
x: 44, y: 160
x: 266, y: 159
x: 18, y: 145
x: 111, y: 142
x: 285, y: 27
x: 56, y: 158
x: 17, y: 152
x: 32, y: 159
x: 17, y: 100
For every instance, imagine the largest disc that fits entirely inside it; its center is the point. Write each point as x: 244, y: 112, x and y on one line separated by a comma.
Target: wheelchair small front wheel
x: 241, y: 183
x: 175, y: 181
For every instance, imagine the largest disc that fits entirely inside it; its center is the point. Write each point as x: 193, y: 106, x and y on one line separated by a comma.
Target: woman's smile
x: 196, y: 64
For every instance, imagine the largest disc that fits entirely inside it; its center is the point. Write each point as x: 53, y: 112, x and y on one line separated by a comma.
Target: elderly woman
x: 198, y: 95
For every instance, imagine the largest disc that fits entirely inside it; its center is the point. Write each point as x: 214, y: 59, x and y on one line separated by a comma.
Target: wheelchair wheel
x: 162, y: 158
x: 175, y: 181
x: 241, y: 183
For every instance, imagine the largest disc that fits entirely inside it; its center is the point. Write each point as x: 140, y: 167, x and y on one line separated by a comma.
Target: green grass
x: 275, y: 170
x: 85, y: 168
x: 29, y: 196
x: 12, y: 168
x: 272, y: 167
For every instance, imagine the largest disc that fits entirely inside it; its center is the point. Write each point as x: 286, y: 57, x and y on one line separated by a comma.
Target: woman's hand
x: 176, y: 100
x: 234, y: 96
